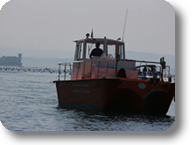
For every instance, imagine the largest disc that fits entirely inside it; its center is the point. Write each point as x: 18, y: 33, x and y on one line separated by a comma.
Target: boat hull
x: 131, y: 95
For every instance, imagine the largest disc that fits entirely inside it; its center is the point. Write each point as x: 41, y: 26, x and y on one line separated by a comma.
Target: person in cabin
x: 145, y: 69
x: 97, y: 51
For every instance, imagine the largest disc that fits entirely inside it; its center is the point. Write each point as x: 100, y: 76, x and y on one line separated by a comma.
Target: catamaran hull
x: 131, y: 95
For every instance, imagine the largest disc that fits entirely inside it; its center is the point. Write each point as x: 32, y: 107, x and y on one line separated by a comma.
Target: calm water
x: 28, y: 102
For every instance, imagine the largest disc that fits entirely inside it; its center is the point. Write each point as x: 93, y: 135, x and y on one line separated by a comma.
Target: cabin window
x: 79, y: 47
x: 111, y: 50
x: 90, y: 46
x: 121, y: 52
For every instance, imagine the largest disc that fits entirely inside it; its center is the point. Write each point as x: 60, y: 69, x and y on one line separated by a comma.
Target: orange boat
x: 112, y: 82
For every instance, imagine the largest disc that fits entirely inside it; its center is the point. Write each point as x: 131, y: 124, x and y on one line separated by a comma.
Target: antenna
x: 124, y: 26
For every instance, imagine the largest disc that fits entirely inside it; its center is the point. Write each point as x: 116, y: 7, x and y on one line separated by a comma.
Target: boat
x: 112, y: 82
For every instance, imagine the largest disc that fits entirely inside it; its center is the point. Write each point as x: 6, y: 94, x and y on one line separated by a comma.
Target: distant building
x: 11, y: 60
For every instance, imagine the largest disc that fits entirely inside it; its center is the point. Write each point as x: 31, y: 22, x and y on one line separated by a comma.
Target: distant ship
x: 11, y: 60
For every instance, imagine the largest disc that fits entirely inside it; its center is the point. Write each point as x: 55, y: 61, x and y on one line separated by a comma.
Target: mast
x: 124, y: 26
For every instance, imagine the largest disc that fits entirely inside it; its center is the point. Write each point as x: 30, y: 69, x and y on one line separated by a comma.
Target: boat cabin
x: 111, y: 62
x: 105, y: 58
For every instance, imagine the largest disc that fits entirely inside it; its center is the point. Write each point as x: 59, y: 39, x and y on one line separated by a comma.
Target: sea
x: 28, y: 102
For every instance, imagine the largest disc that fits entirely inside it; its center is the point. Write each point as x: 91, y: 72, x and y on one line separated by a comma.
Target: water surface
x: 28, y: 102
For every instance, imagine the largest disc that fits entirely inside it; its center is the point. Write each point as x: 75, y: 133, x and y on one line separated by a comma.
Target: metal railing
x: 166, y: 72
x: 99, y: 64
x: 88, y: 75
x: 65, y: 68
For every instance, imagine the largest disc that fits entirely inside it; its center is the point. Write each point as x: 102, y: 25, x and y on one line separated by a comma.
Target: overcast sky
x: 54, y: 24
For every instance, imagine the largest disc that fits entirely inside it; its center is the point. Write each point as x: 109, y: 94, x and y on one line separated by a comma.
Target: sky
x: 52, y: 25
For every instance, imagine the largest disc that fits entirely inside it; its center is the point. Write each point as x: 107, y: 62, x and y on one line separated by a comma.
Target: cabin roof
x: 94, y: 40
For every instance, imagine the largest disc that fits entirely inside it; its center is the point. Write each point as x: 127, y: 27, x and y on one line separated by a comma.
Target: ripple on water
x: 28, y: 102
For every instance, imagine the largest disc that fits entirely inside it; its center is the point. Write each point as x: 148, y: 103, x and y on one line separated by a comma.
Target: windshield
x: 79, y: 51
x: 114, y: 48
x: 91, y: 47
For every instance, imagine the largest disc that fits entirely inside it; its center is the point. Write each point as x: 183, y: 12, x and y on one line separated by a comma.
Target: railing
x: 166, y: 72
x: 99, y: 64
x: 165, y: 75
x: 163, y: 68
x: 66, y: 68
x: 89, y: 74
